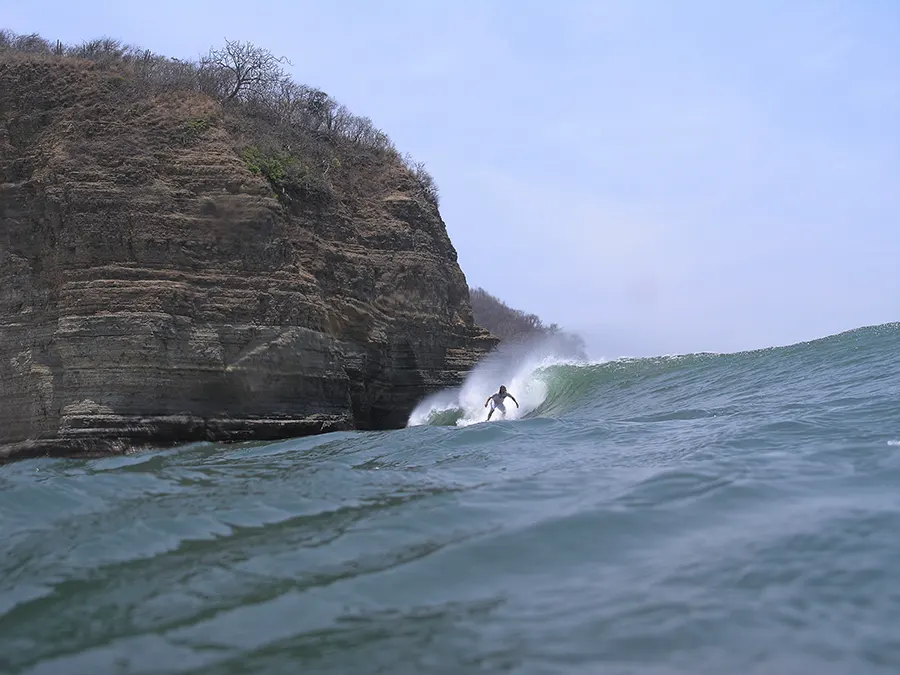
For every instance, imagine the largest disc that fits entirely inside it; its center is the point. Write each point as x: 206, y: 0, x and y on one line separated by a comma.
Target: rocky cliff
x: 156, y: 288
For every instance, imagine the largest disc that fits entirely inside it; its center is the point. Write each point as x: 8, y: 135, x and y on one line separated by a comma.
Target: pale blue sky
x: 662, y: 176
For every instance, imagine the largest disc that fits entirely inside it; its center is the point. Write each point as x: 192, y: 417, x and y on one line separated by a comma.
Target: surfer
x: 496, y: 401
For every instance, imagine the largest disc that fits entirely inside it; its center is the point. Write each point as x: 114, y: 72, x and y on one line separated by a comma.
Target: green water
x: 703, y: 514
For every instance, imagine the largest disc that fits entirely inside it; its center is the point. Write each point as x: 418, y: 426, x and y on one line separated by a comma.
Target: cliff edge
x: 176, y: 267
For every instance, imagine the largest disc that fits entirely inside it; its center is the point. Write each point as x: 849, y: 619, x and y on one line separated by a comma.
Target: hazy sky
x: 661, y: 176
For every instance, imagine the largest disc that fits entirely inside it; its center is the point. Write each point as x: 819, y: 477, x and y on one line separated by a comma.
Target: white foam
x: 893, y: 442
x: 516, y: 367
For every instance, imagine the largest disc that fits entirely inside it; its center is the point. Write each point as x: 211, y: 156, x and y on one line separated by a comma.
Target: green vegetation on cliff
x: 511, y: 325
x: 312, y: 151
x: 208, y: 251
x: 295, y: 136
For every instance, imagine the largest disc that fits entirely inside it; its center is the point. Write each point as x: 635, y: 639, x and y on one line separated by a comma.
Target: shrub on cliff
x: 511, y: 325
x: 288, y: 132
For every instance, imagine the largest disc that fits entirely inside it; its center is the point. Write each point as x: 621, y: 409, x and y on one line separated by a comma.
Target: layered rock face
x: 153, y: 290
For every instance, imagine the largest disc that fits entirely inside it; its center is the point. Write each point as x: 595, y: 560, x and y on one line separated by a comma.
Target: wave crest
x: 537, y: 374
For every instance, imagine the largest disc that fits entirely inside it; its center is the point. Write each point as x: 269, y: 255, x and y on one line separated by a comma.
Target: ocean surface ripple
x: 706, y: 513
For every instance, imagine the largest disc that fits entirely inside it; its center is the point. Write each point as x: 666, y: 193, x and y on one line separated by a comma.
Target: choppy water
x: 699, y: 514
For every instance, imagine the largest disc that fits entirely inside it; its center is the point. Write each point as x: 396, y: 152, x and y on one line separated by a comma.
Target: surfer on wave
x: 496, y: 401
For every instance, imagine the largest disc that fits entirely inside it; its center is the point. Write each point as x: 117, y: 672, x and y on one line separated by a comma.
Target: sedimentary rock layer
x: 154, y: 290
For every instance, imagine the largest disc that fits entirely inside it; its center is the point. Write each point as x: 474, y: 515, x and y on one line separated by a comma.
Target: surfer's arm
x: 514, y: 399
x: 488, y: 401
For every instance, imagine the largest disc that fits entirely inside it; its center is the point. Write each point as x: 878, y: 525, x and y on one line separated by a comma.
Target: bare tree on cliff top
x: 242, y: 70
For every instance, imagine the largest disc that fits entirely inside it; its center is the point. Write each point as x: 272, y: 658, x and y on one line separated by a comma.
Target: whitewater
x: 526, y: 368
x: 698, y: 513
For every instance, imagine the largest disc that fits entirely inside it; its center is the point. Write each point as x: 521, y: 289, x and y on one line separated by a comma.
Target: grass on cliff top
x: 297, y: 137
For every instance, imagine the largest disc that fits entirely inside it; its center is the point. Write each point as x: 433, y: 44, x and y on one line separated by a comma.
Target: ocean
x: 705, y: 513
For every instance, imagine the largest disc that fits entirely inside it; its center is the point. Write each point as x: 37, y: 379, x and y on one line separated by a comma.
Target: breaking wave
x: 542, y: 376
x: 548, y: 381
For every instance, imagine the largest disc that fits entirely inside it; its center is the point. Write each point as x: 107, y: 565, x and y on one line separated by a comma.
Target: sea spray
x: 520, y: 366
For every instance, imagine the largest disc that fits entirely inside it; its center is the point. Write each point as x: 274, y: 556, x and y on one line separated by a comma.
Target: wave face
x: 528, y: 370
x: 705, y: 513
x: 548, y: 383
